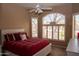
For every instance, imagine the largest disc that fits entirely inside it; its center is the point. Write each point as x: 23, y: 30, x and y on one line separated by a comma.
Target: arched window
x: 53, y: 26
x: 54, y: 17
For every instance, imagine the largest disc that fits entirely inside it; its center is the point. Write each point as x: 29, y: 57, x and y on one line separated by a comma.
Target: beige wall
x: 14, y: 16
x: 0, y: 11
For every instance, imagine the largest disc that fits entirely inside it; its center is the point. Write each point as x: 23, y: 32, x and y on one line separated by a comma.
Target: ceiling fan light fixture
x: 37, y: 6
x: 39, y: 10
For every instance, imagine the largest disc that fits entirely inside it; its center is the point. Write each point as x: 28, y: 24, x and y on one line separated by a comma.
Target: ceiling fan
x: 39, y: 10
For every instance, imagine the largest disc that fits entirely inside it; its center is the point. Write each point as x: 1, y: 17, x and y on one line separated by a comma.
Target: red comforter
x: 26, y: 47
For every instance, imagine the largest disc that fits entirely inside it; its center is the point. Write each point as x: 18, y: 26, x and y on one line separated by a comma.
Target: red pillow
x: 6, y: 38
x: 9, y: 36
x: 17, y: 36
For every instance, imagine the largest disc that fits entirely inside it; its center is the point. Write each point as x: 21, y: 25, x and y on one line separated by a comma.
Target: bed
x: 29, y: 47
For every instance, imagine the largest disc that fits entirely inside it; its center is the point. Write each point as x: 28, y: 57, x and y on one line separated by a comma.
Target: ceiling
x: 42, y: 5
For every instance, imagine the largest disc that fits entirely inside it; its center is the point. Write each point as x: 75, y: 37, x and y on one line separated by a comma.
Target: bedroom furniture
x: 42, y: 52
x: 73, y: 47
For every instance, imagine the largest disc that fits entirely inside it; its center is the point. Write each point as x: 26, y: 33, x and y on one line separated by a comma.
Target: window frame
x: 31, y: 26
x: 73, y: 27
x: 55, y: 25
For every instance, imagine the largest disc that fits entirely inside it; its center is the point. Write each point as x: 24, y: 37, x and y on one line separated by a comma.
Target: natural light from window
x: 34, y: 27
x: 76, y: 25
x: 54, y: 26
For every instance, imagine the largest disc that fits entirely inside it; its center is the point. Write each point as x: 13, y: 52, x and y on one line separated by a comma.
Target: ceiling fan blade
x: 46, y: 8
x: 40, y: 11
x: 32, y: 10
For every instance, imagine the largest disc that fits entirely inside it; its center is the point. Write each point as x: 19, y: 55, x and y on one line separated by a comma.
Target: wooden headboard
x: 5, y: 31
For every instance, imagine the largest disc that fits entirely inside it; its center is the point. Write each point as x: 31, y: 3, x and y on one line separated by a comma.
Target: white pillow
x: 23, y: 36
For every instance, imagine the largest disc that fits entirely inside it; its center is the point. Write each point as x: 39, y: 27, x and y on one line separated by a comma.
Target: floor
x: 58, y: 51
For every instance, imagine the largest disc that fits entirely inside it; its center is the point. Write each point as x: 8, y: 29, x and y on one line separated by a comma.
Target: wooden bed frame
x: 43, y: 52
